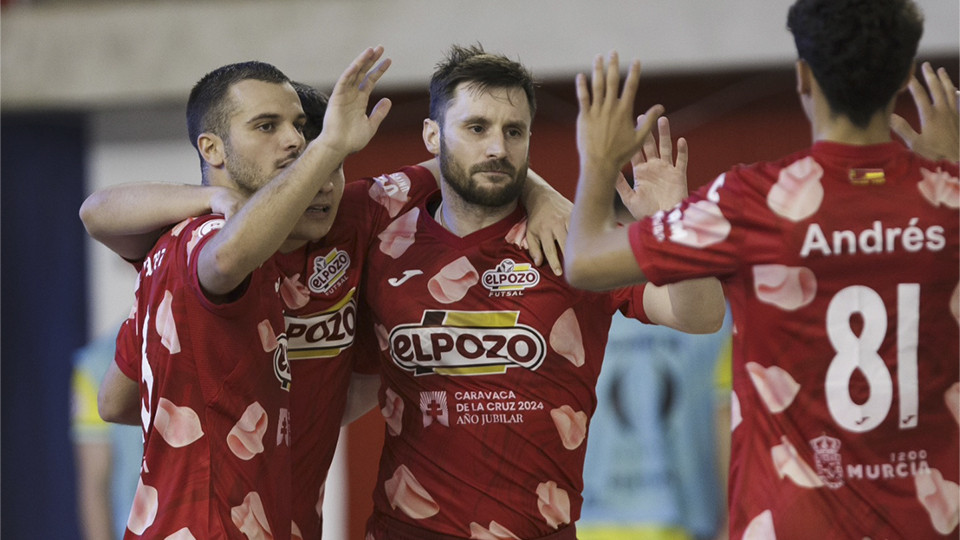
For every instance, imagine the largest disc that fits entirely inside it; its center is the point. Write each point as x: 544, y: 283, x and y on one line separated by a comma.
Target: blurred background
x: 92, y: 93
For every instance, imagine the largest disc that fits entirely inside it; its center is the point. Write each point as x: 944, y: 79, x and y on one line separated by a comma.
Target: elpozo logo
x: 328, y: 270
x: 466, y: 343
x: 510, y: 276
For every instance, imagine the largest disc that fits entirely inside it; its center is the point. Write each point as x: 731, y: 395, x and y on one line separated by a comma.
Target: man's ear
x: 211, y: 149
x: 431, y: 136
x: 804, y: 76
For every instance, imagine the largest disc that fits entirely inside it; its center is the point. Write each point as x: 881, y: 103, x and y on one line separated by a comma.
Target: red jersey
x: 214, y: 387
x: 320, y: 289
x: 489, y: 368
x: 841, y: 264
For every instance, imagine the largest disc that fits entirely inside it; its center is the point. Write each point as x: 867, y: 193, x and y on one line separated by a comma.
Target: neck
x: 463, y: 218
x: 289, y: 245
x: 828, y: 126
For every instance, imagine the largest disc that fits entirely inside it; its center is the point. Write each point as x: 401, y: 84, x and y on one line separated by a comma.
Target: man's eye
x: 265, y: 127
x: 475, y: 129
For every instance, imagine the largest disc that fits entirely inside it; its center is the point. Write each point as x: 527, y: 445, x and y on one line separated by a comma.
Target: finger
x: 649, y: 119
x: 583, y: 95
x: 349, y: 77
x: 623, y: 188
x: 597, y: 81
x: 649, y: 143
x: 937, y: 95
x: 553, y: 259
x: 374, y: 75
x: 640, y: 156
x: 379, y: 112
x: 683, y: 154
x: 613, y: 78
x: 533, y: 247
x: 920, y: 98
x: 666, y: 143
x: 949, y: 89
x: 902, y: 128
x: 630, y: 85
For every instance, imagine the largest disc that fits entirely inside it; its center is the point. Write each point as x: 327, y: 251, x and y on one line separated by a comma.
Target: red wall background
x: 727, y: 118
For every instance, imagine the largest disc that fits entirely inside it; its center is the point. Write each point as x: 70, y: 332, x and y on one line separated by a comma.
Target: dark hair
x: 860, y: 51
x: 314, y: 103
x: 209, y: 109
x: 485, y: 70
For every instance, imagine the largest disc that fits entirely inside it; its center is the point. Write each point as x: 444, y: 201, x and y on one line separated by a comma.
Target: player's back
x: 846, y: 345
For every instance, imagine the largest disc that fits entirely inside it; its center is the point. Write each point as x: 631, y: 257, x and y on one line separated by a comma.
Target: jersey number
x: 860, y: 352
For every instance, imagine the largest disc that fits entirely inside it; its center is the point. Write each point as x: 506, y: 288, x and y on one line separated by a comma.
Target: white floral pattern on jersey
x: 453, y: 281
x: 787, y: 287
x: 406, y: 493
x: 554, y: 504
x: 566, y: 339
x: 789, y: 464
x: 798, y: 192
x: 952, y: 398
x: 182, y: 534
x: 571, y: 425
x: 496, y: 531
x: 517, y: 235
x: 251, y: 519
x: 399, y: 235
x: 939, y: 188
x: 391, y: 191
x: 246, y: 438
x: 179, y: 426
x: 760, y: 528
x: 294, y: 292
x: 392, y: 412
x: 166, y: 325
x: 941, y: 499
x: 777, y: 388
x: 702, y: 224
x: 144, y: 509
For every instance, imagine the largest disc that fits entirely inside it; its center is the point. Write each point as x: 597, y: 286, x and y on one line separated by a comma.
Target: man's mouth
x: 319, y: 209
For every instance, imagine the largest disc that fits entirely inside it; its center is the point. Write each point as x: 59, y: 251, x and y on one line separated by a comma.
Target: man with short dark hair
x: 489, y: 365
x: 841, y: 263
x: 202, y: 361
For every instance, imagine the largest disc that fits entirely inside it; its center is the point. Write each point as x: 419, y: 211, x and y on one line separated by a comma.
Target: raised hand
x: 658, y: 182
x: 606, y: 131
x: 346, y: 125
x: 939, y: 120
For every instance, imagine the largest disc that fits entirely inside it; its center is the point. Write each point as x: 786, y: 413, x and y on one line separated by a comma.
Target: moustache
x: 499, y: 166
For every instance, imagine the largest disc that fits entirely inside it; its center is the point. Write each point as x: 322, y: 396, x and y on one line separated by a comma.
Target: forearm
x: 598, y: 254
x: 118, y: 400
x: 261, y: 226
x: 128, y: 218
x: 694, y: 306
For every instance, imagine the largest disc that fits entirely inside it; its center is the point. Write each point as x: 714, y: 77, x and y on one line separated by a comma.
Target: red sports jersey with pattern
x: 214, y: 388
x: 326, y: 340
x: 841, y: 267
x: 489, y: 367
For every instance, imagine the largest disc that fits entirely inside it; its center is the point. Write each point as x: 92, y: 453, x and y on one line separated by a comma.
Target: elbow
x: 575, y: 273
x: 708, y: 319
x: 89, y: 211
x: 109, y: 409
